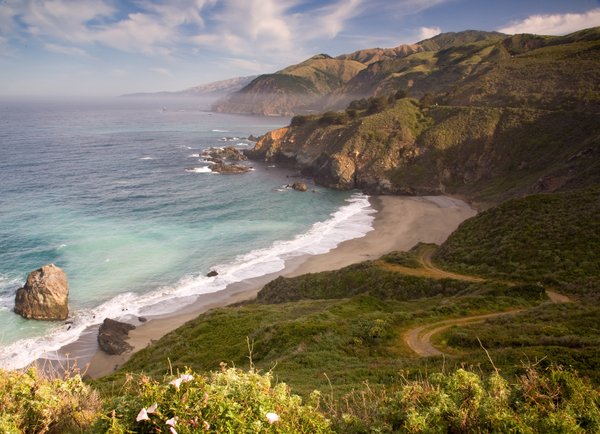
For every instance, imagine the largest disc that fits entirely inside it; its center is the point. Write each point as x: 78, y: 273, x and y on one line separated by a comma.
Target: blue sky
x: 112, y: 47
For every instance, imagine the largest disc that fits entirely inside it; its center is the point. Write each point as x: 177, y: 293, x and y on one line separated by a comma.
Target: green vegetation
x: 553, y: 239
x: 229, y: 401
x: 33, y: 402
x: 565, y: 334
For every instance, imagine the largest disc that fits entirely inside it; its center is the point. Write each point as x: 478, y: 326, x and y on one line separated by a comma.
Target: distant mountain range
x: 323, y: 82
x: 215, y: 89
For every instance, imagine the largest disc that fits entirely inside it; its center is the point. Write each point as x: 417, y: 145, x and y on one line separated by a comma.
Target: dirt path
x: 420, y: 343
x: 425, y: 259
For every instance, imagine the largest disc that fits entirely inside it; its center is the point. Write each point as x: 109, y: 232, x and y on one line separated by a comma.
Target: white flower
x: 173, y: 430
x: 176, y: 383
x: 207, y: 425
x: 142, y: 415
x: 172, y: 421
x: 152, y: 408
x: 186, y: 377
x: 272, y: 417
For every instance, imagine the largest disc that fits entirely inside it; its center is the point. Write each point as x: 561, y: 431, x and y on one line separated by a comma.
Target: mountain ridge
x: 214, y: 89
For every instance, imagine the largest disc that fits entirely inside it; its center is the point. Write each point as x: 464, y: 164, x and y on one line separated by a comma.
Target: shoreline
x: 399, y: 224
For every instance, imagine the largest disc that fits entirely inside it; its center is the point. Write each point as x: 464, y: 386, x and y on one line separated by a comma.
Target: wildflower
x: 186, y: 377
x: 172, y: 430
x: 142, y: 415
x: 176, y: 383
x: 207, y: 425
x: 172, y: 421
x: 272, y: 417
x: 205, y: 398
x: 152, y: 408
x: 194, y: 422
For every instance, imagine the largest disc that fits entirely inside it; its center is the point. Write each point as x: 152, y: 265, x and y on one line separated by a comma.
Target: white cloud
x: 72, y: 51
x: 429, y: 32
x: 63, y: 19
x: 248, y: 65
x: 554, y: 24
x: 6, y: 49
x: 163, y: 71
x: 118, y: 72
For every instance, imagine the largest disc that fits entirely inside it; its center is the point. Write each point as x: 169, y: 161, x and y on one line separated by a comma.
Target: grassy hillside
x: 553, y: 239
x: 543, y: 72
x: 491, y: 155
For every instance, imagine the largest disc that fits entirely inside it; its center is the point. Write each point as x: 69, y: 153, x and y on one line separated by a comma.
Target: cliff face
x: 487, y: 154
x: 356, y: 155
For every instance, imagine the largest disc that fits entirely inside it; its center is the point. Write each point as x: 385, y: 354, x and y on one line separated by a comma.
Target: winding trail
x: 418, y: 339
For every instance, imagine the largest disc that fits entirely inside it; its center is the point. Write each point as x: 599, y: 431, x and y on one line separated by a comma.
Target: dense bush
x: 229, y: 401
x: 334, y: 118
x: 555, y: 401
x: 33, y: 402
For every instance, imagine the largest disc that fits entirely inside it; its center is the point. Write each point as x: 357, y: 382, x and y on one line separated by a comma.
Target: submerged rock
x: 112, y: 336
x: 45, y: 295
x: 229, y: 169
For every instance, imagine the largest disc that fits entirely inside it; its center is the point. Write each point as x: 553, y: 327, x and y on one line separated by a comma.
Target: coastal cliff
x: 486, y: 154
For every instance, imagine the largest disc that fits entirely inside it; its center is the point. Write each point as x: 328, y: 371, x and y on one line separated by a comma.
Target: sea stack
x: 45, y: 295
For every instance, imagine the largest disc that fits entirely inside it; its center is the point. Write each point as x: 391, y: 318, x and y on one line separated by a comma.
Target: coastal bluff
x: 45, y: 295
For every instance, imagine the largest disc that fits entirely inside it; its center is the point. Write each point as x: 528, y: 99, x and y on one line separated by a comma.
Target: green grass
x: 553, y: 239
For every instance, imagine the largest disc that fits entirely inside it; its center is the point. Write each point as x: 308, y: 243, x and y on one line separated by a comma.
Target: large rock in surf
x: 112, y: 336
x: 45, y: 295
x: 228, y: 153
x: 299, y: 186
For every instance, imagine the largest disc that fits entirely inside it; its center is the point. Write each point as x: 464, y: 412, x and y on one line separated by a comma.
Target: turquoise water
x: 100, y: 189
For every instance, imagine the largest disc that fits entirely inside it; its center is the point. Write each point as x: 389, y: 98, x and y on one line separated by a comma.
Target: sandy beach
x: 400, y: 223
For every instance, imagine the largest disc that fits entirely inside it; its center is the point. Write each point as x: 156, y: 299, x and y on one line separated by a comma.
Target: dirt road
x: 420, y: 343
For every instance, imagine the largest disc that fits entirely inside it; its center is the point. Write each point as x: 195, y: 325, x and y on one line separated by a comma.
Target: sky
x: 114, y: 47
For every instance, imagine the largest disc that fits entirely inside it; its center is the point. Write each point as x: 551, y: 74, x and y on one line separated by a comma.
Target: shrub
x: 334, y: 118
x: 31, y: 402
x: 229, y: 401
x: 554, y: 401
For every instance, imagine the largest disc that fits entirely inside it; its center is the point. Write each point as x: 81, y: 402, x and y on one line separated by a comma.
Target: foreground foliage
x: 554, y: 401
x: 228, y: 401
x: 33, y: 402
x: 236, y: 401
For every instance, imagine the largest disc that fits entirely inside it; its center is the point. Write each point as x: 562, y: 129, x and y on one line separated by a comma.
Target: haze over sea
x: 100, y: 189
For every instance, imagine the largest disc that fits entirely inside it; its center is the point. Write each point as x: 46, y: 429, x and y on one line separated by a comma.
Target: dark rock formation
x: 300, y: 186
x: 229, y: 169
x: 228, y: 153
x: 212, y: 274
x: 45, y: 295
x: 112, y: 336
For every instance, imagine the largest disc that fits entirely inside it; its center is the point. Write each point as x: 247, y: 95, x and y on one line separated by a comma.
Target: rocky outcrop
x: 357, y: 155
x: 229, y: 169
x: 299, y: 186
x: 228, y: 153
x: 112, y: 336
x: 45, y: 295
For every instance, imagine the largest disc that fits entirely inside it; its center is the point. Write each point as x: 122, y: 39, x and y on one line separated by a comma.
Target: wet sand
x: 400, y: 223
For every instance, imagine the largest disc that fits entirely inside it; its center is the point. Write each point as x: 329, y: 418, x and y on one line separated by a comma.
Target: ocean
x: 113, y: 192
